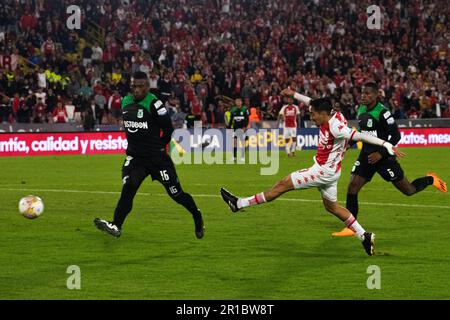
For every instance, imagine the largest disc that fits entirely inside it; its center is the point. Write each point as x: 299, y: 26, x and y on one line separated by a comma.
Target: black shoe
x: 199, y: 226
x: 107, y: 227
x: 230, y: 199
x: 368, y: 243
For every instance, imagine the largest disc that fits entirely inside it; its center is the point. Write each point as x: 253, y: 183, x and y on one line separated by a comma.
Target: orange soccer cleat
x: 346, y: 232
x: 438, y: 183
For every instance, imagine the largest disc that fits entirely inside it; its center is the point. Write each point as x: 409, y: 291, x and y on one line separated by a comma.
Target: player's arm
x: 367, y: 138
x: 341, y: 131
x: 280, y: 119
x: 280, y: 116
x: 297, y: 96
x: 388, y: 121
x: 163, y: 119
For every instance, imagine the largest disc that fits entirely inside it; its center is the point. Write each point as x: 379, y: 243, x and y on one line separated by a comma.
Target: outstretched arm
x: 300, y: 97
x: 367, y: 138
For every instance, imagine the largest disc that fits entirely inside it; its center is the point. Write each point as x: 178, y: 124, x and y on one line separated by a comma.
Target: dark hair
x: 372, y: 85
x: 140, y: 75
x: 322, y: 104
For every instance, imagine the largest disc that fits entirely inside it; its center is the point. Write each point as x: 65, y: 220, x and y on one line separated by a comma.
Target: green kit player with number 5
x: 376, y: 120
x: 148, y: 129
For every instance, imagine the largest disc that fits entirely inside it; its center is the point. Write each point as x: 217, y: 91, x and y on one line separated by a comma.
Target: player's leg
x: 294, y: 141
x: 362, y: 172
x: 419, y: 184
x: 355, y: 185
x: 291, y: 135
x: 186, y: 200
x: 236, y: 203
x: 297, y: 180
x: 391, y: 171
x: 329, y: 198
x: 287, y: 145
x: 235, y: 148
x: 167, y: 176
x: 132, y: 176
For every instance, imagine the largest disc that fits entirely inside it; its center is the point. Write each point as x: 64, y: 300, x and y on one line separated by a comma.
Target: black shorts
x: 388, y: 168
x: 160, y: 168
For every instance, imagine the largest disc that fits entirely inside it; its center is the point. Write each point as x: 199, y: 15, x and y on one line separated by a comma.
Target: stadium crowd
x: 201, y: 54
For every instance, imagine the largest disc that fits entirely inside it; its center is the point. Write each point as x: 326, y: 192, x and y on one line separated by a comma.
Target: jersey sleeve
x: 389, y: 123
x: 340, y: 130
x: 165, y: 123
x: 281, y: 113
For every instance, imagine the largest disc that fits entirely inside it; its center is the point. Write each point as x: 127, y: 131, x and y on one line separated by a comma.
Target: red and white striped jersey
x: 333, y: 139
x: 290, y: 112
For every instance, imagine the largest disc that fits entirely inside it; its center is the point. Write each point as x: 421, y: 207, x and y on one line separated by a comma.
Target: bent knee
x: 129, y: 183
x: 409, y: 192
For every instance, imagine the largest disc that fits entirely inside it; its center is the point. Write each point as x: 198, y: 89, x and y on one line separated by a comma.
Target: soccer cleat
x: 346, y: 232
x: 107, y: 227
x: 199, y: 226
x: 368, y: 243
x: 438, y: 183
x: 230, y: 199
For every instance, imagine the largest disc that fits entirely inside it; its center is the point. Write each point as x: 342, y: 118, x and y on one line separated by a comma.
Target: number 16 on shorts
x: 164, y: 175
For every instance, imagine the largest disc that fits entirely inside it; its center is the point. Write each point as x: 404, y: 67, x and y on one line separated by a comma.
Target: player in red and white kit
x: 289, y: 114
x: 324, y: 174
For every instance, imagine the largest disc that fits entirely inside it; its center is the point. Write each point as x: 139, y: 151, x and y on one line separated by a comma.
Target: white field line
x: 218, y: 196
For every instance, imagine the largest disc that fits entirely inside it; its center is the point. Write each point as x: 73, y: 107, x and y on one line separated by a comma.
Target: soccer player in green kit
x: 375, y: 119
x: 148, y: 129
x: 238, y: 120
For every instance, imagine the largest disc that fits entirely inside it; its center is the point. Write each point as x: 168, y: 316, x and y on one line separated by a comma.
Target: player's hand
x: 392, y: 150
x: 376, y: 156
x: 288, y: 92
x: 398, y: 153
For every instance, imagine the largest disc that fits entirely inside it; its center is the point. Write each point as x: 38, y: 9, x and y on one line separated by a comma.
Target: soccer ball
x: 31, y: 207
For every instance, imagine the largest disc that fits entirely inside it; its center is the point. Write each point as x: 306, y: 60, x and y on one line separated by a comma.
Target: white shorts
x: 315, y: 176
x: 290, y: 133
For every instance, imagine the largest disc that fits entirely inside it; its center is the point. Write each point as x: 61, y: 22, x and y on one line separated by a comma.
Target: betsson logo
x: 130, y: 125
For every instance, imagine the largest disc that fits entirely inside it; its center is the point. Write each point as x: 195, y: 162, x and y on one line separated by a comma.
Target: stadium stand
x: 200, y: 55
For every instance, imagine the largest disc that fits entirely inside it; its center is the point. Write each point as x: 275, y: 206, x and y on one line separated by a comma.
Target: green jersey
x: 380, y: 123
x: 239, y: 117
x: 147, y: 125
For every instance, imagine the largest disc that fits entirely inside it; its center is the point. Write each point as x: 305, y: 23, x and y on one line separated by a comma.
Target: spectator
x: 24, y: 112
x: 60, y: 114
x: 39, y: 111
x: 101, y: 103
x: 41, y: 79
x: 88, y: 120
x: 97, y: 54
x: 115, y: 106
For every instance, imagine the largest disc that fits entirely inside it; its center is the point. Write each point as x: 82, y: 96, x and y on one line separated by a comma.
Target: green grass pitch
x: 282, y: 250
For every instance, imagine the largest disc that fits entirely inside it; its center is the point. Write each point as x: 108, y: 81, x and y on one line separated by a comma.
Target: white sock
x: 251, y: 201
x: 351, y: 223
x: 287, y: 148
